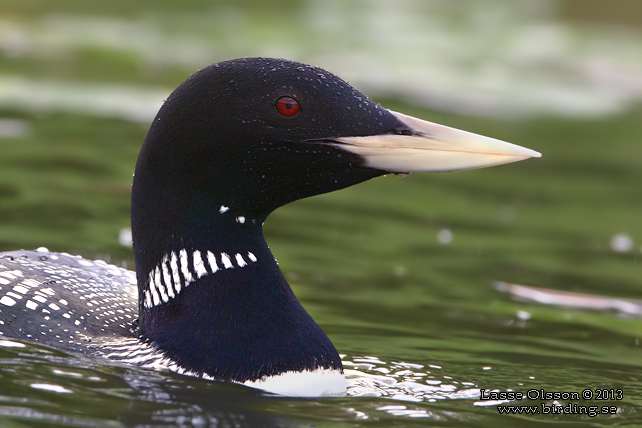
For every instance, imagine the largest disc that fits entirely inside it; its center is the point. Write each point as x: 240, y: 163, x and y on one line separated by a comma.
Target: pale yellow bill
x: 432, y: 148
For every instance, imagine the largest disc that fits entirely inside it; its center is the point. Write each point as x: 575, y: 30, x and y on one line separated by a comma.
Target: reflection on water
x: 371, y: 377
x: 124, y: 396
x: 40, y: 383
x: 628, y: 307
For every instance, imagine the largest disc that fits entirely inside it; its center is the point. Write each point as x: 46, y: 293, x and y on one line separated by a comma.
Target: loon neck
x: 216, y: 302
x: 202, y: 245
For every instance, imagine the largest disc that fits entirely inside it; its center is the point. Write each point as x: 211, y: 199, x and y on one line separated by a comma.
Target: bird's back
x: 65, y: 301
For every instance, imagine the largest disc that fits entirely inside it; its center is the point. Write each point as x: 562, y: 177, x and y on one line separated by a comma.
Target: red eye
x: 288, y: 107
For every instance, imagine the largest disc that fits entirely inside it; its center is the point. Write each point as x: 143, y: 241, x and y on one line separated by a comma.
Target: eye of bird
x: 288, y: 106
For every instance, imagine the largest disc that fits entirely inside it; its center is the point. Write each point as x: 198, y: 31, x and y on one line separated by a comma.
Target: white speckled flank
x: 175, y: 272
x: 12, y: 274
x: 20, y: 289
x: 65, y: 298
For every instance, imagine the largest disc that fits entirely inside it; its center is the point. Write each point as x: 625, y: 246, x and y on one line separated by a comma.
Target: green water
x: 372, y: 264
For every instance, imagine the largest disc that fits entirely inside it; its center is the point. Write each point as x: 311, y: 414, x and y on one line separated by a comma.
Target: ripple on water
x: 371, y: 377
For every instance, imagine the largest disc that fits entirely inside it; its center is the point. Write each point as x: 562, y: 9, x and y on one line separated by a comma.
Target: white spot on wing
x: 251, y: 256
x: 7, y: 301
x: 240, y: 219
x: 10, y: 344
x: 223, y: 209
x: 31, y: 305
x: 30, y: 282
x: 10, y: 274
x: 20, y: 289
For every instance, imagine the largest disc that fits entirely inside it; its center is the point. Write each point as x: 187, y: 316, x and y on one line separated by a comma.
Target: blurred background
x: 412, y: 261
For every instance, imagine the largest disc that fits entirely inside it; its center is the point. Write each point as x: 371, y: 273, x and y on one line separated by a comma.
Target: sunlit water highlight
x: 68, y: 375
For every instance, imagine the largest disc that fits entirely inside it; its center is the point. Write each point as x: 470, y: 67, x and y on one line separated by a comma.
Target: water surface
x: 400, y: 273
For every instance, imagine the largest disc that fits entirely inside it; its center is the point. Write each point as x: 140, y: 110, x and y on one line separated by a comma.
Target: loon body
x: 231, y: 144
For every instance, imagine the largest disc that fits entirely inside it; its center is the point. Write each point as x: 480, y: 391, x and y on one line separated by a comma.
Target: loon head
x: 232, y: 143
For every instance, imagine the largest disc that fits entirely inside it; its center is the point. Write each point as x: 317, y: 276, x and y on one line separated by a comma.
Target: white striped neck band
x: 178, y: 269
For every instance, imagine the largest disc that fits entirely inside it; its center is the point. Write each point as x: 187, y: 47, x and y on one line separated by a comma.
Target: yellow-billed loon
x: 231, y: 144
